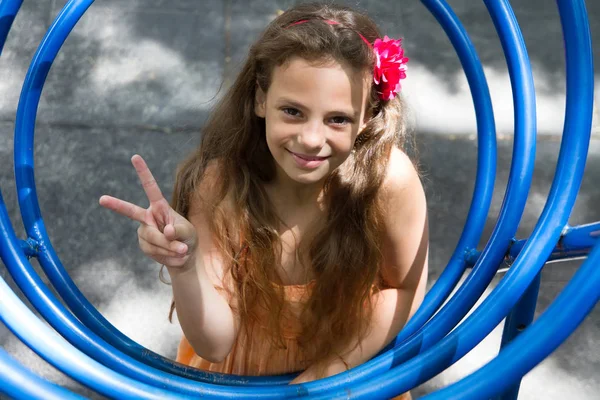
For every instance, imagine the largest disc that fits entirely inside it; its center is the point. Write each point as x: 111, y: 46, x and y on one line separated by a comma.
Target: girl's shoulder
x: 401, y: 175
x: 405, y: 227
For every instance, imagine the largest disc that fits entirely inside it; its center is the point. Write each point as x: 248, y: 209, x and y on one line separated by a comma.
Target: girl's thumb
x: 181, y: 232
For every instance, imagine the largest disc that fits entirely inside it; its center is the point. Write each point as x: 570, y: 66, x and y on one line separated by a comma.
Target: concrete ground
x: 140, y: 77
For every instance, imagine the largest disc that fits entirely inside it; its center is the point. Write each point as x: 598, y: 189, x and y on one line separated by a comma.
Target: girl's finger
x: 182, y: 232
x: 123, y: 207
x: 153, y: 250
x: 169, y: 232
x: 161, y: 212
x: 148, y: 182
x: 157, y: 238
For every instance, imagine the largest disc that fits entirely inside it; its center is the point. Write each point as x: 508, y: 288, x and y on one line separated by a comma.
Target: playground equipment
x: 85, y: 346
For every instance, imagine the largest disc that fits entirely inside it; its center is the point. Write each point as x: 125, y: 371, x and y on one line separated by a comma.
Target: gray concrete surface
x: 140, y: 77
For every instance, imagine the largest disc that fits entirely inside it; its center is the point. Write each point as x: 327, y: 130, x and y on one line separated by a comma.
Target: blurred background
x: 140, y: 76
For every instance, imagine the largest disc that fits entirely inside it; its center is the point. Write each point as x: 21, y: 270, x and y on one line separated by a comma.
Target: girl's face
x: 313, y: 114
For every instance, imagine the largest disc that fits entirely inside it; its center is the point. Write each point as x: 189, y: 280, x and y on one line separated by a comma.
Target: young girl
x: 297, y: 238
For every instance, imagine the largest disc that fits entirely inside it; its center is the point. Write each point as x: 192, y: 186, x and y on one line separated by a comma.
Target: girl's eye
x: 291, y: 111
x: 341, y: 120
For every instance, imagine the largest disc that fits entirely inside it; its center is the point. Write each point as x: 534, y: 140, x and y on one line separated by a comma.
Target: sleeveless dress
x: 253, y: 354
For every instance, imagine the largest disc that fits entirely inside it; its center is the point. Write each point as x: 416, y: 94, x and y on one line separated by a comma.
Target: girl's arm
x: 209, y: 324
x: 205, y: 314
x: 404, y: 269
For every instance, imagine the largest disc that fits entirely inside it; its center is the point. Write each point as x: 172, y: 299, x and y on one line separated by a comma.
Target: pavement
x: 141, y: 76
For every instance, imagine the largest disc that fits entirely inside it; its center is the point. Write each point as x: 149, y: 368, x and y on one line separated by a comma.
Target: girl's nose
x: 313, y: 135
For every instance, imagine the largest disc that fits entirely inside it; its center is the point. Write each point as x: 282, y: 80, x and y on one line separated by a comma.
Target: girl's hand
x: 164, y: 235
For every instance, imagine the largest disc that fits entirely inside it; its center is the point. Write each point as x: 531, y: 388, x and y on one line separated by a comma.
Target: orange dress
x: 252, y: 353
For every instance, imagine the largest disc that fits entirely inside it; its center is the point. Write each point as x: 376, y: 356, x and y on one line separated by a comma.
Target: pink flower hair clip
x: 390, y: 67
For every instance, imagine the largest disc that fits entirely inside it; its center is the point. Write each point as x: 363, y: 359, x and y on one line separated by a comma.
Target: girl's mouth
x: 305, y: 161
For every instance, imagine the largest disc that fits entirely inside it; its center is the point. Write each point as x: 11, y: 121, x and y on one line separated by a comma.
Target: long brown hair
x: 344, y: 256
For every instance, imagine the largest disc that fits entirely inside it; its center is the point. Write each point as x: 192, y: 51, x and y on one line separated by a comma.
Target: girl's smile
x: 306, y: 161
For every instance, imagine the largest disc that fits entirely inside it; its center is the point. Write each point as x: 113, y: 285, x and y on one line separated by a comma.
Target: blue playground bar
x: 84, y: 345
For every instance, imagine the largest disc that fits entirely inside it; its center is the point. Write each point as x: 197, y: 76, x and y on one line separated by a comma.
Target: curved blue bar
x: 582, y: 236
x: 51, y: 347
x: 20, y: 383
x: 537, y: 342
x: 17, y: 381
x: 575, y: 241
x: 519, y: 319
x: 486, y: 170
x: 34, y: 224
x: 118, y: 375
x: 561, y: 199
x: 514, y: 203
x: 49, y: 260
x: 35, y: 227
x: 32, y: 216
x: 581, y: 294
x: 166, y: 394
x: 8, y: 12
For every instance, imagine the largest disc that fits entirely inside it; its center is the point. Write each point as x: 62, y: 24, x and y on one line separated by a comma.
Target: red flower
x: 390, y: 67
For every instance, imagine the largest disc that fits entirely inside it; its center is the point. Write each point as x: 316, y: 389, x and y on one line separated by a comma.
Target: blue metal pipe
x: 569, y: 172
x: 512, y: 208
x: 55, y: 271
x: 47, y: 344
x: 536, y: 343
x: 20, y: 383
x: 8, y: 12
x: 520, y: 317
x: 445, y: 321
x: 115, y: 375
x: 34, y: 223
x: 485, y: 177
x: 574, y: 241
x: 582, y: 236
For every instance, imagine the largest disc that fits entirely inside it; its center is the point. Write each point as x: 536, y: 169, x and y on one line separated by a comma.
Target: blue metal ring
x: 561, y: 199
x: 8, y: 12
x: 31, y: 220
x: 485, y: 177
x: 91, y: 318
x: 29, y: 193
x: 34, y: 225
x: 20, y: 383
x: 581, y: 294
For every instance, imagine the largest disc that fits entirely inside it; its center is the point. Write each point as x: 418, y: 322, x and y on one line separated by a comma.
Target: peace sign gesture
x: 164, y: 235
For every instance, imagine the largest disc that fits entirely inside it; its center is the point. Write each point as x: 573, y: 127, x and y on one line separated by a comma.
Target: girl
x: 297, y: 236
